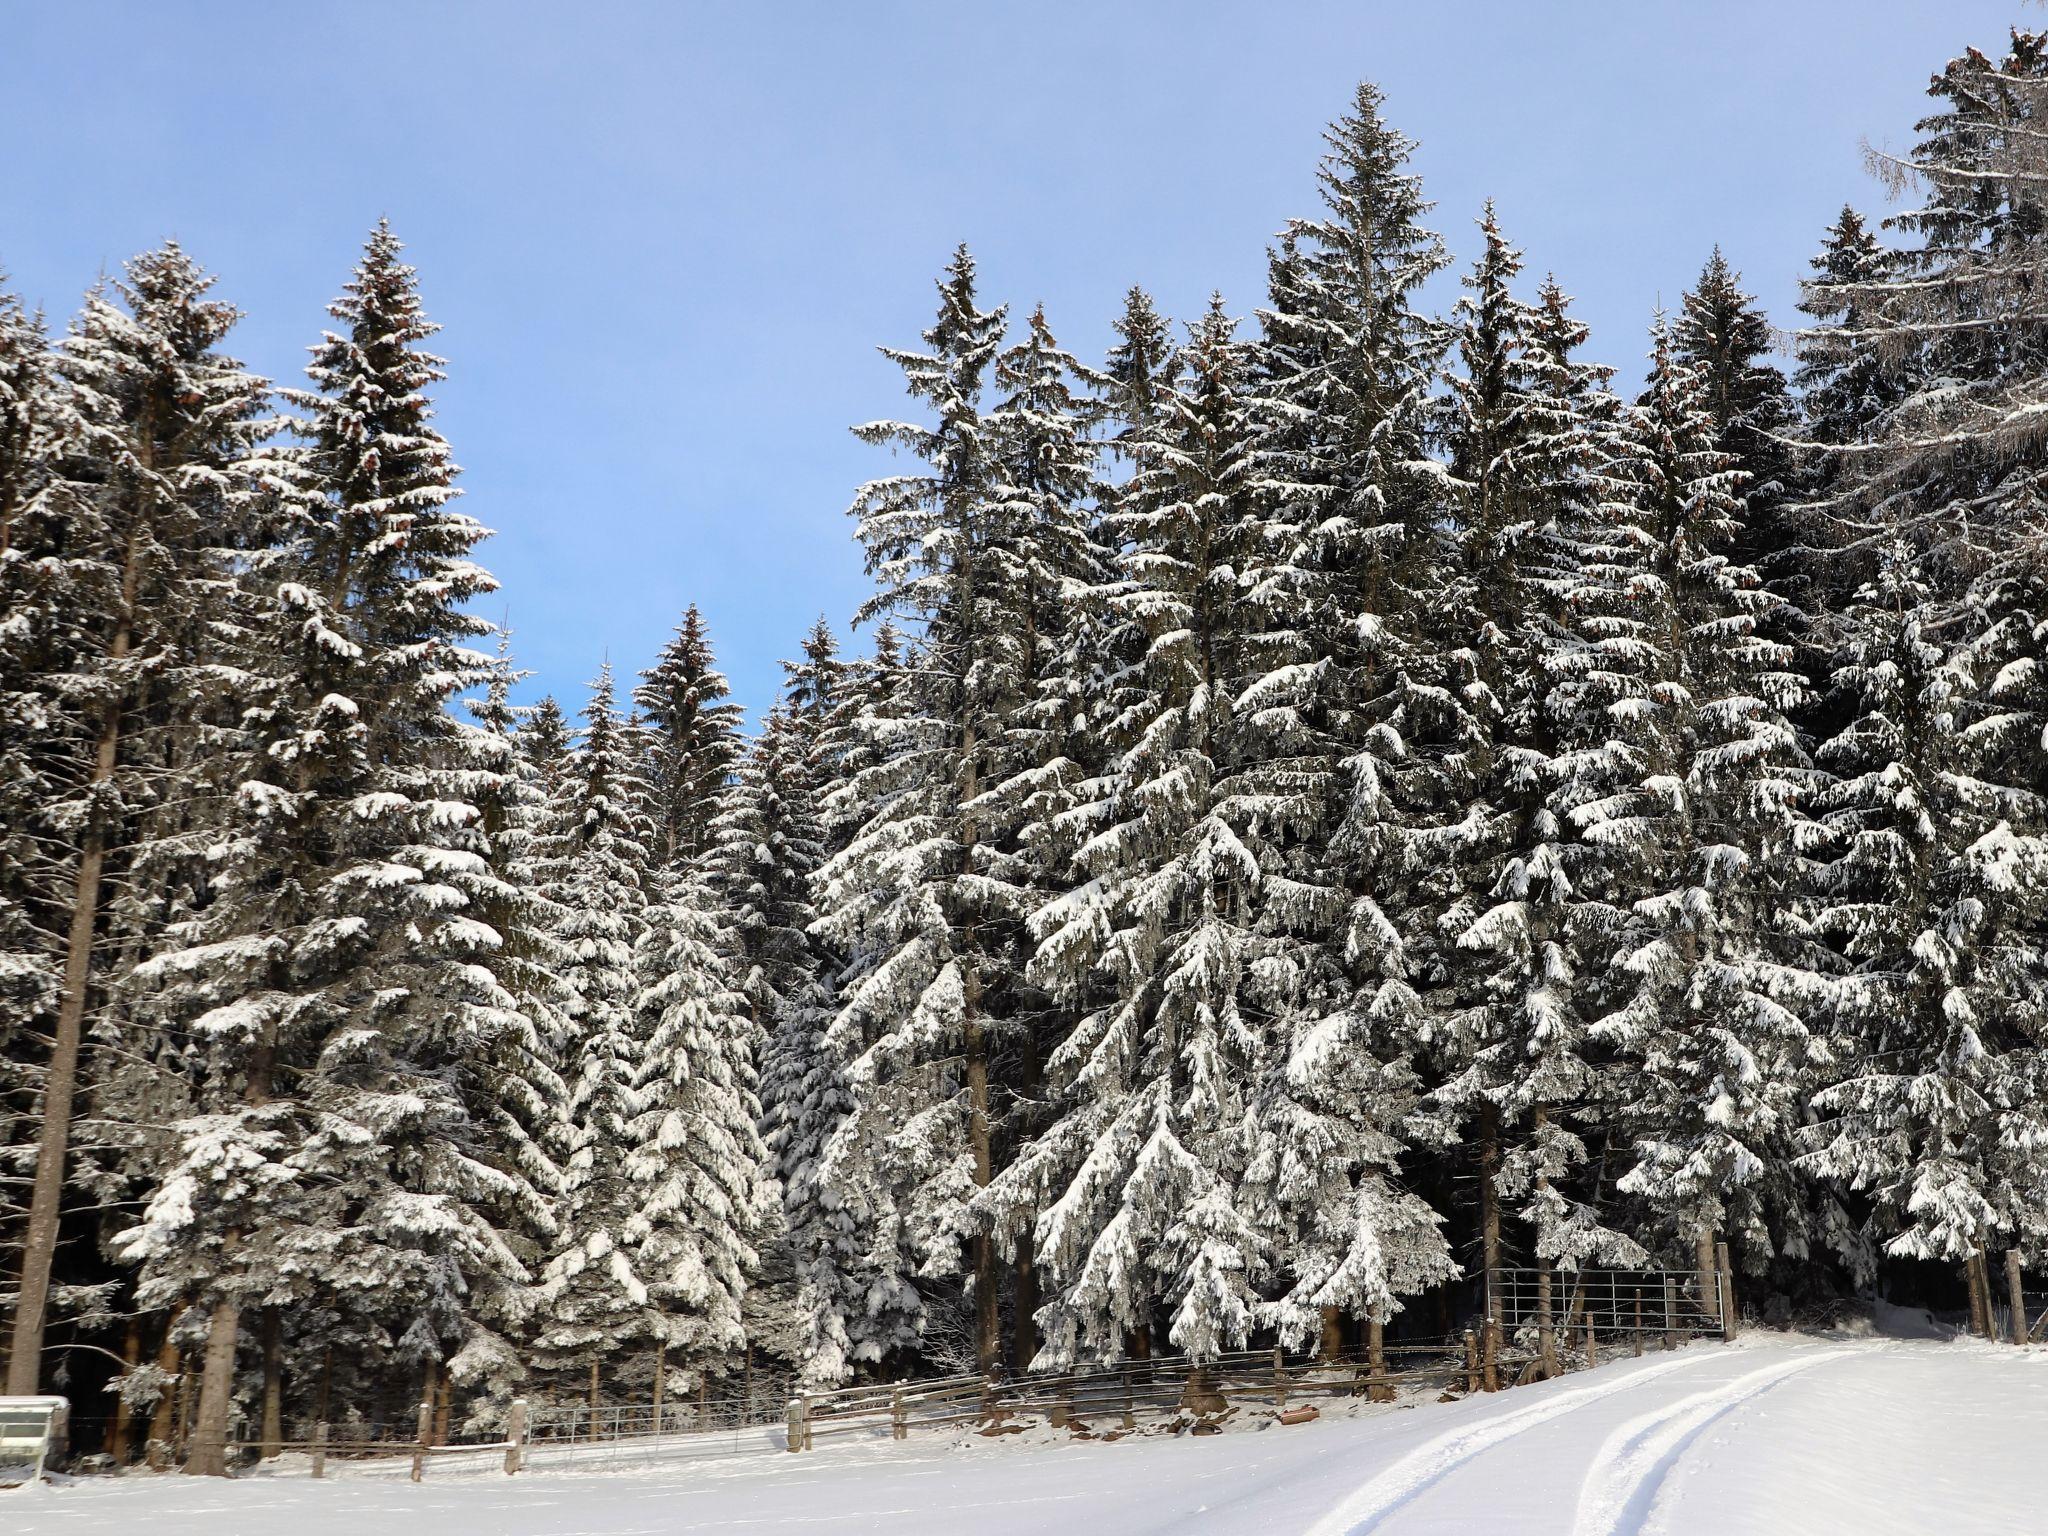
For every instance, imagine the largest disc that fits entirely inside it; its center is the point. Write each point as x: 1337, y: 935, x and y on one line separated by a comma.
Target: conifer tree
x: 597, y: 1294
x: 685, y: 705
x: 1930, y: 884
x: 1352, y: 705
x: 343, y: 972
x: 1524, y: 422
x: 1725, y: 339
x: 1682, y: 769
x: 921, y: 901
x: 168, y: 426
x: 1135, y: 1181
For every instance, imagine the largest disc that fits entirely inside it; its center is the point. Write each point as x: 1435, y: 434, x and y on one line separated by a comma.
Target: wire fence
x: 1616, y: 1302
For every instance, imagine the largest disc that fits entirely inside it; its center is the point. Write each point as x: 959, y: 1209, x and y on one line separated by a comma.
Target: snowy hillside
x: 1774, y: 1434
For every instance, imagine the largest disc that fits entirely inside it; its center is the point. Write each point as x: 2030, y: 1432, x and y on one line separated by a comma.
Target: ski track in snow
x: 1367, y: 1509
x: 1620, y: 1494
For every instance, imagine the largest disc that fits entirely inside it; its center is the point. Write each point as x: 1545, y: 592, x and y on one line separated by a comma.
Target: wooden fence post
x: 515, y: 1435
x: 1592, y: 1342
x: 1471, y: 1361
x: 1729, y: 1321
x: 1493, y: 1354
x: 1279, y: 1381
x: 419, y: 1449
x: 799, y: 1432
x: 899, y: 1418
x: 660, y: 1382
x: 1639, y: 1322
x: 2017, y: 1295
x: 320, y: 1450
x: 1670, y: 1313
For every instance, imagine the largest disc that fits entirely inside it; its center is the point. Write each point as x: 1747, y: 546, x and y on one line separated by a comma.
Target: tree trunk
x: 325, y: 1391
x: 1379, y: 1389
x: 1978, y: 1273
x: 444, y: 1404
x: 1330, y: 1343
x: 160, y: 1418
x: 1489, y: 1205
x: 987, y: 1318
x: 209, y: 1457
x: 39, y: 1240
x: 1024, y: 1306
x: 273, y: 1384
x: 1546, y: 1322
x: 131, y: 1356
x: 1709, y: 1281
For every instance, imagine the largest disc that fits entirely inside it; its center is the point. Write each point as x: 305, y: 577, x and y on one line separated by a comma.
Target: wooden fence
x: 1542, y: 1324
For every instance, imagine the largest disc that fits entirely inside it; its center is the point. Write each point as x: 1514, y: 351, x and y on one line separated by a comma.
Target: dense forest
x: 1335, y: 799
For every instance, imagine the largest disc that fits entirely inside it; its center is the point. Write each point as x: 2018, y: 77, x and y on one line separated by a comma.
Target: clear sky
x: 665, y: 237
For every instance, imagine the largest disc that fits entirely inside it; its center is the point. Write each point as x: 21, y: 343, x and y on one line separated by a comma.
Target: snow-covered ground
x: 1776, y: 1434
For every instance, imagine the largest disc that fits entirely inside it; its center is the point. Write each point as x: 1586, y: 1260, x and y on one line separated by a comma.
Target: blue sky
x: 664, y: 239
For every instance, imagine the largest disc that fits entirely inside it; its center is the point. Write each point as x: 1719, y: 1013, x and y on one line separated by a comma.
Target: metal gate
x: 1614, y: 1301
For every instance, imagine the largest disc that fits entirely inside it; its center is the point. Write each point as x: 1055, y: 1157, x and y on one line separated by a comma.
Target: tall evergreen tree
x: 167, y: 508
x: 686, y: 706
x: 598, y: 1295
x: 1682, y: 769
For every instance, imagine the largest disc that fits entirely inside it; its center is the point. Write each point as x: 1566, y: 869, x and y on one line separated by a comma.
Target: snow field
x: 1775, y: 1434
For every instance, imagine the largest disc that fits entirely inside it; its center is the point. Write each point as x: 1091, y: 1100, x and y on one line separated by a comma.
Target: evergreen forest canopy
x: 1337, y: 801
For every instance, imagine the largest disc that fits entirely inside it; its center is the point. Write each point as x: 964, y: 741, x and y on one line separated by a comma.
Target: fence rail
x: 1539, y: 1325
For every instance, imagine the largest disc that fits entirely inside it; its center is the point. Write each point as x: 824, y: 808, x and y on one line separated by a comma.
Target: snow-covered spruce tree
x: 596, y: 1294
x: 1523, y: 423
x: 47, y: 595
x: 695, y: 1157
x: 165, y: 508
x: 1159, y: 944
x: 522, y: 1097
x: 1045, y: 494
x: 768, y: 843
x: 1680, y: 767
x: 345, y: 964
x: 1933, y: 893
x: 1356, y: 723
x: 856, y: 1301
x: 685, y: 704
x: 1845, y: 385
x: 913, y: 901
x: 1726, y: 340
x: 1954, y: 320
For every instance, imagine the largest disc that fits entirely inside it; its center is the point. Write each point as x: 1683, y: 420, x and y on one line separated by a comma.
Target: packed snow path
x: 1866, y: 1437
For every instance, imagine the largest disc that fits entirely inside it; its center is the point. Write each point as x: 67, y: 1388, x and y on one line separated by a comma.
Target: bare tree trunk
x: 1710, y: 1280
x: 1546, y: 1329
x: 1979, y: 1276
x: 209, y: 1456
x: 325, y: 1391
x: 987, y: 1318
x: 444, y: 1403
x: 1024, y: 1305
x: 273, y: 1384
x: 1330, y: 1343
x: 1489, y: 1205
x: 60, y: 1087
x: 131, y: 1356
x: 160, y: 1418
x: 1379, y: 1389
